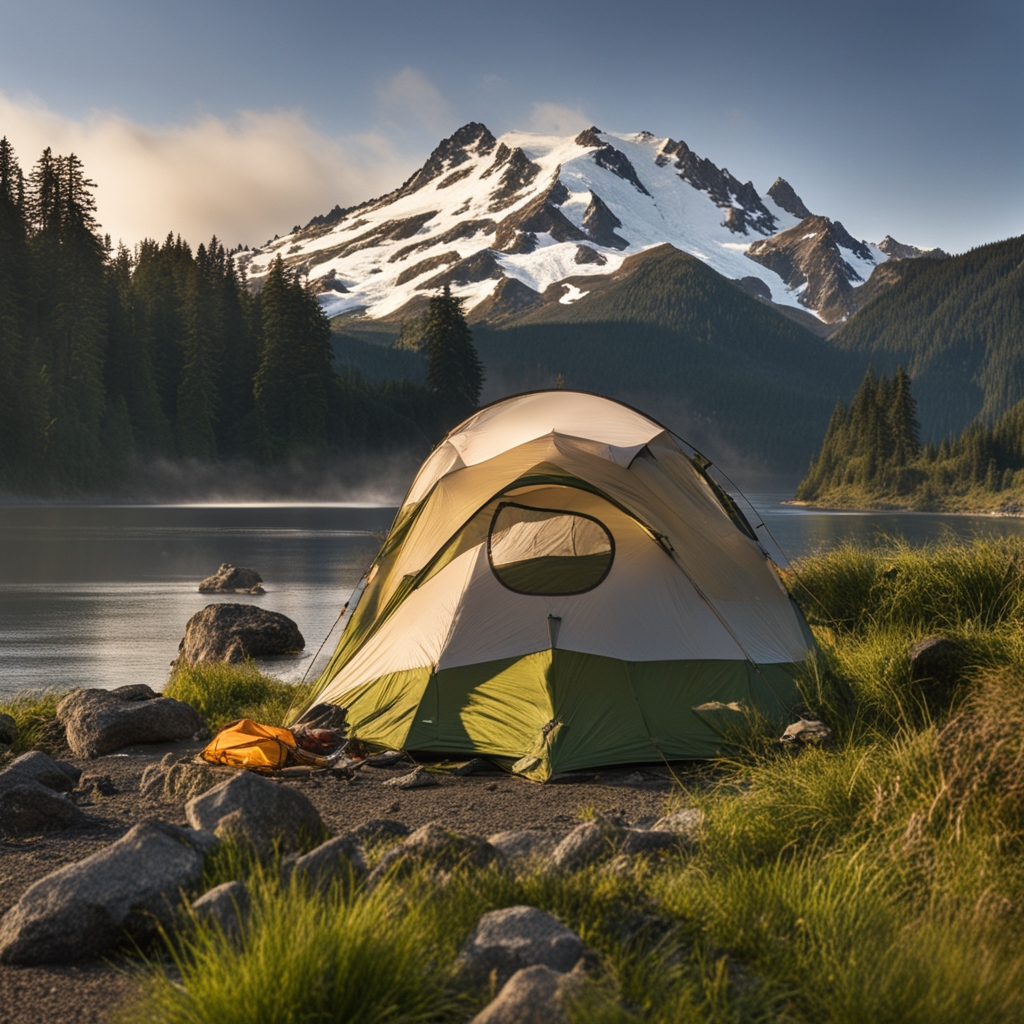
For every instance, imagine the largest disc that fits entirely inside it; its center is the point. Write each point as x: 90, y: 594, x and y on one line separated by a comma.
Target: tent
x: 565, y: 587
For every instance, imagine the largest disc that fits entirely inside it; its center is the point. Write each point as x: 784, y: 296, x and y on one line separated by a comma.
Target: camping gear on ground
x: 249, y: 744
x: 565, y: 586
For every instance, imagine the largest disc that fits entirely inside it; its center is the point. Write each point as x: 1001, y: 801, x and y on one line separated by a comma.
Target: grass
x: 875, y: 881
x: 222, y: 693
x: 36, y: 716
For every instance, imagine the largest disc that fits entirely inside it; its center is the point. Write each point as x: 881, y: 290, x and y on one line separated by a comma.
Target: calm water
x: 99, y: 596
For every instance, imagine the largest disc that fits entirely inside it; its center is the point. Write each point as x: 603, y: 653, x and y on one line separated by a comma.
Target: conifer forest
x: 110, y: 357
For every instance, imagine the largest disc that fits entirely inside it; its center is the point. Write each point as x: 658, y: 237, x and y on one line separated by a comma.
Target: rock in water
x: 99, y: 721
x: 505, y: 941
x: 234, y: 632
x: 87, y: 909
x: 258, y: 811
x: 232, y: 579
x: 534, y: 995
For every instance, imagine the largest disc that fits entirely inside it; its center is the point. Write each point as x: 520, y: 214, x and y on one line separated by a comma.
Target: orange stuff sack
x: 247, y: 744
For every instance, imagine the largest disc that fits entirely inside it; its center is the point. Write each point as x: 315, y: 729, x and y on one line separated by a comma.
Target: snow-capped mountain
x: 502, y: 220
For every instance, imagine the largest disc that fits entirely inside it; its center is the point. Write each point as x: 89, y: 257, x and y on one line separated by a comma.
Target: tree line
x: 109, y: 356
x: 871, y: 455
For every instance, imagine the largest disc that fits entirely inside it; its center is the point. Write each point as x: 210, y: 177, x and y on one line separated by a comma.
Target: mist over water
x: 98, y: 595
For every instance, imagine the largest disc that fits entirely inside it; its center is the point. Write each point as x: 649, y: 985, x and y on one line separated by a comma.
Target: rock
x: 35, y: 766
x: 28, y: 808
x: 85, y: 910
x: 938, y: 662
x: 100, y: 721
x: 586, y: 844
x: 806, y: 733
x: 533, y: 995
x: 416, y: 779
x: 178, y: 778
x: 639, y: 841
x: 258, y: 811
x: 522, y: 846
x: 477, y: 764
x: 232, y: 579
x: 93, y: 787
x: 686, y: 823
x: 379, y: 830
x: 385, y: 760
x: 635, y: 779
x: 339, y: 858
x: 505, y: 941
x: 69, y: 769
x: 8, y: 729
x: 226, y: 906
x: 234, y: 632
x: 438, y: 848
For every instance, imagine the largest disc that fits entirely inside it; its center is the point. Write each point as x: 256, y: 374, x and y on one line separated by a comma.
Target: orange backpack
x: 247, y: 744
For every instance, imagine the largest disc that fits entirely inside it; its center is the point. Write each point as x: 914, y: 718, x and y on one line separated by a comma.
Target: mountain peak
x: 785, y: 198
x: 901, y: 251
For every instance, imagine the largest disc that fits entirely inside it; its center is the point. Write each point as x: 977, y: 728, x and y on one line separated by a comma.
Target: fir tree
x: 454, y: 372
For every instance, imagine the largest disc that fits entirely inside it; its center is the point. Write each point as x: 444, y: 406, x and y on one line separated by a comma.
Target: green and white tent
x: 565, y: 587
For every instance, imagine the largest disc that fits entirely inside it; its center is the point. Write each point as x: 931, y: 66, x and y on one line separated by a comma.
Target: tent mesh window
x: 547, y: 551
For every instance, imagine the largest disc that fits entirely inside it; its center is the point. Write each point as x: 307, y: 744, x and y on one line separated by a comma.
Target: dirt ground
x: 481, y: 804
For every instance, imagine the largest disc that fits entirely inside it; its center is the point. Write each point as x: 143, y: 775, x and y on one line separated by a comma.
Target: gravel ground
x: 481, y: 804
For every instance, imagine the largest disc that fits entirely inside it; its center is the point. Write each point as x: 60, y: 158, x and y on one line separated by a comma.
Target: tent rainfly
x: 565, y: 587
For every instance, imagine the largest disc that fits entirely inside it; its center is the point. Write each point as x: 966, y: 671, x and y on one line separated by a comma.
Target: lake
x: 99, y: 595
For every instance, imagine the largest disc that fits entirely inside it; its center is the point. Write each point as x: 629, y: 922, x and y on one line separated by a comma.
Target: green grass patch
x: 223, y: 693
x: 36, y: 715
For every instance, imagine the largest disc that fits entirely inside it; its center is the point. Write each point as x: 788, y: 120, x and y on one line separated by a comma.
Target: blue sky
x: 899, y: 117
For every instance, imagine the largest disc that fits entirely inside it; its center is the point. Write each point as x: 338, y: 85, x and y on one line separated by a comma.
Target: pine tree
x: 293, y: 384
x: 454, y: 372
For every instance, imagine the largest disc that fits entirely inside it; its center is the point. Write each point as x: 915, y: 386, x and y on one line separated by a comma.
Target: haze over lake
x: 99, y: 595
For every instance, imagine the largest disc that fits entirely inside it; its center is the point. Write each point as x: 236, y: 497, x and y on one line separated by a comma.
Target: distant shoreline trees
x: 871, y: 455
x: 112, y: 356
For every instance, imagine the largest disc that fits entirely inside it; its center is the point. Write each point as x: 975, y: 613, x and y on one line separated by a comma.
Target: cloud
x: 555, y: 119
x: 243, y: 178
x: 410, y: 102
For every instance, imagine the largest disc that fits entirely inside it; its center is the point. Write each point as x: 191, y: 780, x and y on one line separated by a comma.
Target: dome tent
x: 565, y: 587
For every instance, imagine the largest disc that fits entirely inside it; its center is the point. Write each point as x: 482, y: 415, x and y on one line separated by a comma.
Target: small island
x: 872, y: 458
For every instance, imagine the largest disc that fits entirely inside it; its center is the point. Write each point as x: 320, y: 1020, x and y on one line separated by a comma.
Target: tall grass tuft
x: 222, y: 693
x: 36, y: 718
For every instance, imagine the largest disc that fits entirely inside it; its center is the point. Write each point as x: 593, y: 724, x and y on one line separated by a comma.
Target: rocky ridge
x: 501, y: 220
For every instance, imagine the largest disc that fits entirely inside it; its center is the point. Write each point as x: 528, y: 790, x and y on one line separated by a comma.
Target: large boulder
x: 125, y: 891
x: 259, y: 812
x: 437, y: 848
x: 35, y: 766
x: 505, y: 941
x: 98, y: 722
x: 234, y: 632
x: 232, y: 579
x: 534, y: 995
x: 28, y: 808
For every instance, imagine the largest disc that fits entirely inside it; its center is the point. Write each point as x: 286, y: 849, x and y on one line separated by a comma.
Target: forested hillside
x: 109, y: 357
x: 871, y: 456
x: 739, y: 380
x: 957, y: 325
